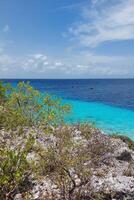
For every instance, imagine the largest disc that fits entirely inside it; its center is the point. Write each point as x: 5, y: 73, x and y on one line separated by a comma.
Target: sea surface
x: 108, y: 103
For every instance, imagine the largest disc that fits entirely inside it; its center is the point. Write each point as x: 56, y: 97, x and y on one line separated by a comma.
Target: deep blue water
x: 109, y: 103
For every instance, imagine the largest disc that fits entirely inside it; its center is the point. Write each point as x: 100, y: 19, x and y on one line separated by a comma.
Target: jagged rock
x: 130, y: 170
x: 125, y: 156
x: 113, y: 176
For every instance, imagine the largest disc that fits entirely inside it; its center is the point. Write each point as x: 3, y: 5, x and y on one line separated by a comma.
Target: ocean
x: 107, y: 103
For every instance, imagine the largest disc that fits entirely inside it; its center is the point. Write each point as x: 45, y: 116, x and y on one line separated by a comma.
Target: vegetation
x: 25, y: 106
x: 35, y: 143
x: 64, y: 160
x: 125, y: 139
x: 3, y: 90
x: 14, y: 167
x: 21, y: 108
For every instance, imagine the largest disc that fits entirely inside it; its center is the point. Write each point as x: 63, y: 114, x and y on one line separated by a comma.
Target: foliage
x: 67, y: 157
x: 66, y: 162
x: 26, y: 106
x: 3, y: 91
x: 54, y: 111
x: 14, y: 167
x: 23, y: 107
x: 31, y: 122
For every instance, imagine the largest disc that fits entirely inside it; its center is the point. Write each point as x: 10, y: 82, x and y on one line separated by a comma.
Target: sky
x: 67, y: 39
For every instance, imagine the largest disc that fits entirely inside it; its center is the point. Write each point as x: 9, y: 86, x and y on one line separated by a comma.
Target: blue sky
x: 66, y: 39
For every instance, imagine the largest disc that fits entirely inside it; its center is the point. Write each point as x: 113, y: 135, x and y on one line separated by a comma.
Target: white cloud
x: 39, y: 56
x: 58, y: 63
x: 5, y: 60
x: 105, y: 21
x: 6, y: 28
x: 84, y: 64
x: 40, y: 63
x: 45, y: 63
x: 102, y: 21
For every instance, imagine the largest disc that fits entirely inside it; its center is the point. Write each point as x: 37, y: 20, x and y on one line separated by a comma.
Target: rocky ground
x: 112, y: 177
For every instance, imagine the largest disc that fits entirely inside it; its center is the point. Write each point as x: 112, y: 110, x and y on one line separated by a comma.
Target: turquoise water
x: 109, y: 104
x: 108, y: 118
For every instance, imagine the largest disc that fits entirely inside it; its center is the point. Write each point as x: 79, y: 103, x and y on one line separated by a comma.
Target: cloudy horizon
x: 68, y: 39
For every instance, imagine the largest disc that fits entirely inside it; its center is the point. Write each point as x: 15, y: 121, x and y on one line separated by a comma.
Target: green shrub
x: 14, y: 167
x: 22, y: 108
x: 4, y: 88
x: 2, y: 92
x: 26, y: 106
x: 64, y: 156
x: 63, y: 160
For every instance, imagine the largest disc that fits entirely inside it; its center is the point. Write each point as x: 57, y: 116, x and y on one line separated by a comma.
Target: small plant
x: 66, y: 162
x: 126, y: 140
x: 4, y: 88
x: 14, y: 167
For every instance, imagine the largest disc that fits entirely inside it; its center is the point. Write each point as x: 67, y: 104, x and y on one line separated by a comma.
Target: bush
x: 2, y: 92
x: 26, y: 106
x: 30, y: 122
x: 22, y: 108
x: 14, y: 167
x: 65, y: 161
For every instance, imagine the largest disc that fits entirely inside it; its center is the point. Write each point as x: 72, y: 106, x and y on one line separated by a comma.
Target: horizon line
x: 60, y: 78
